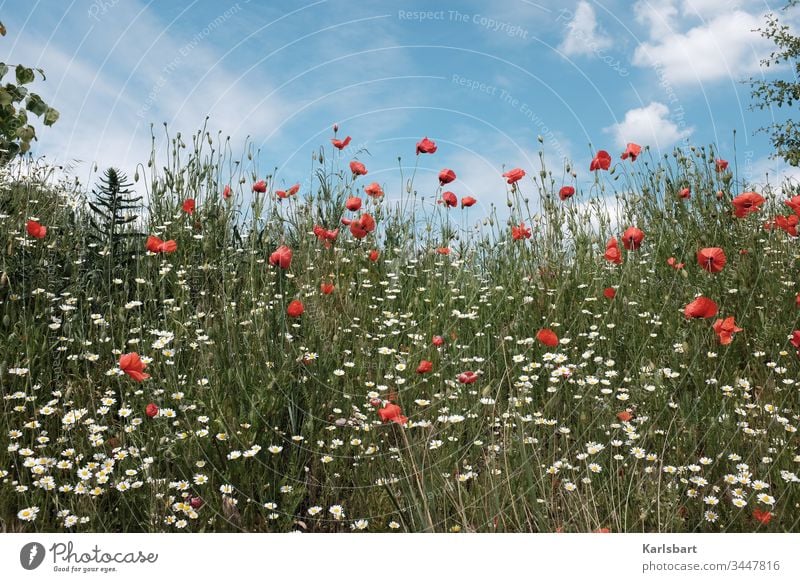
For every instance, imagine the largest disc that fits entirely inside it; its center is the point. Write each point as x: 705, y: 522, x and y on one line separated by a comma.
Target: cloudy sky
x: 483, y: 79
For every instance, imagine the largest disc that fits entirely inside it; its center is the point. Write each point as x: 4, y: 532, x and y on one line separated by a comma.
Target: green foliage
x: 114, y: 210
x: 780, y: 93
x: 16, y: 102
x: 260, y: 410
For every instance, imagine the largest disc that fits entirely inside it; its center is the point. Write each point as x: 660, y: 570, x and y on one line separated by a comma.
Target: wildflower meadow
x: 204, y: 346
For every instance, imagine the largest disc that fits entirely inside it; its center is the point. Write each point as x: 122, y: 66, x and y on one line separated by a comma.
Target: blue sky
x: 482, y: 79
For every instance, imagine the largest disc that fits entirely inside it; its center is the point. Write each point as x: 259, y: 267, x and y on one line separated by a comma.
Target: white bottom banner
x: 392, y: 556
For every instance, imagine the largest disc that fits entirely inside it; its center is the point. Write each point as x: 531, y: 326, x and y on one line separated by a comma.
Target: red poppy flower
x: 566, y: 192
x: 353, y: 203
x: 340, y: 144
x: 747, y: 203
x: 361, y: 227
x: 797, y: 300
x: 467, y: 201
x: 685, y: 193
x: 609, y: 293
x: 226, y: 192
x: 761, y: 516
x: 602, y: 530
x: 701, y: 308
x: 424, y: 367
x: 624, y: 416
x: 358, y: 168
x: 35, y: 229
x: 613, y: 253
x: 156, y: 245
x: 324, y: 234
x: 133, y: 366
x: 295, y: 308
x: 188, y: 206
x: 672, y: 262
x: 632, y: 238
x: 446, y: 176
x: 548, y: 337
x: 712, y: 259
x: 438, y: 341
x: 725, y: 328
x: 632, y: 151
x: 151, y: 410
x: 467, y: 377
x: 788, y: 223
x: 282, y: 257
x: 260, y: 187
x: 443, y: 250
x: 196, y: 502
x: 520, y: 232
x: 449, y: 199
x: 795, y: 340
x: 425, y: 146
x: 514, y: 176
x: 793, y: 203
x: 392, y: 413
x: 601, y: 161
x: 326, y: 288
x: 374, y: 190
x: 283, y: 194
x: 374, y: 255
x: 721, y: 165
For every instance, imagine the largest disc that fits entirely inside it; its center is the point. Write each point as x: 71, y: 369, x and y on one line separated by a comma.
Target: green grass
x: 513, y: 451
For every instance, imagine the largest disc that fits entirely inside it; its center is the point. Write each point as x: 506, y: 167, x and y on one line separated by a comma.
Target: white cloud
x: 658, y: 17
x: 773, y: 171
x: 583, y: 36
x: 724, y: 47
x: 649, y: 126
x: 709, y: 8
x: 109, y: 93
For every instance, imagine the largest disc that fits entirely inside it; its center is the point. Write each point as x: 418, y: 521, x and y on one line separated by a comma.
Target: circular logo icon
x: 31, y: 555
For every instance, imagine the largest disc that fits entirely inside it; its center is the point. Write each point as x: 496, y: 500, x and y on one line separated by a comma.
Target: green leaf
x: 3, y: 70
x: 50, y: 116
x: 26, y: 133
x: 6, y: 98
x: 35, y: 105
x: 24, y: 75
